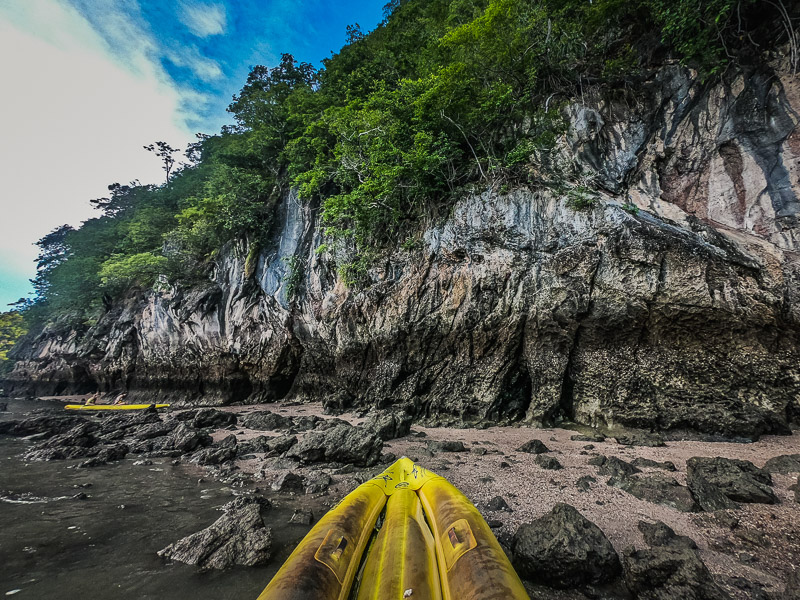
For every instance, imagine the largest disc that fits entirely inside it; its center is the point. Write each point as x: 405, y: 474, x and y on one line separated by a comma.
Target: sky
x: 87, y: 83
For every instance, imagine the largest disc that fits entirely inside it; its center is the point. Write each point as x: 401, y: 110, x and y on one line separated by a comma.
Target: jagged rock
x: 446, y: 446
x: 708, y: 496
x: 156, y: 429
x: 317, y: 482
x: 106, y: 455
x: 288, y: 482
x: 583, y: 483
x: 186, y: 439
x: 612, y: 466
x: 533, y: 447
x: 265, y: 420
x: 658, y: 488
x: 593, y: 437
x: 645, y: 463
x: 239, y: 537
x: 640, y: 439
x: 738, y: 480
x: 498, y: 503
x: 547, y: 462
x: 48, y: 425
x: 564, y: 549
x: 222, y: 452
x: 388, y: 424
x: 788, y: 463
x: 301, y: 516
x: 659, y: 534
x: 342, y: 443
x: 254, y: 445
x: 210, y: 417
x: 478, y: 451
x: 669, y: 573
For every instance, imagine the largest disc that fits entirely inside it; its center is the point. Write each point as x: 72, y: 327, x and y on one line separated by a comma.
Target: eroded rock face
x: 738, y: 480
x: 684, y: 315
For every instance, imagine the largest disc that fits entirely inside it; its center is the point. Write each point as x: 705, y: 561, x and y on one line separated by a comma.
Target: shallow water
x: 55, y: 546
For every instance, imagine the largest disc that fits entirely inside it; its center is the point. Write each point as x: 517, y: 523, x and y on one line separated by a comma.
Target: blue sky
x: 88, y: 82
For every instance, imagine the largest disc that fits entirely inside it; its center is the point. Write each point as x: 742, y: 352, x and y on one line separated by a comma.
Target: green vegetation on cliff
x: 443, y: 95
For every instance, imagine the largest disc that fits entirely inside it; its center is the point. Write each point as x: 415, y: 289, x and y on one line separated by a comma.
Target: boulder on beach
x: 533, y: 447
x: 660, y: 534
x: 785, y: 464
x: 265, y: 420
x: 564, y: 549
x: 658, y: 489
x: 669, y: 573
x: 239, y: 537
x: 343, y: 443
x: 388, y: 424
x: 738, y: 480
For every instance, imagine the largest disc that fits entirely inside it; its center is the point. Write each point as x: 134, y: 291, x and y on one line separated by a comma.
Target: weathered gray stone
x: 739, y: 480
x: 342, y: 443
x: 669, y: 573
x: 564, y: 549
x: 533, y: 447
x: 659, y: 534
x: 657, y: 488
x: 239, y: 537
x: 788, y: 463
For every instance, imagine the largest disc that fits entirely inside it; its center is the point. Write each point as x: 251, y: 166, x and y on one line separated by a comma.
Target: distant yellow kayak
x: 113, y: 406
x: 407, y: 533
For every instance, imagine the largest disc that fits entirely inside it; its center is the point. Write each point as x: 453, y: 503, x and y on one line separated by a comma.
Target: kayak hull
x: 405, y: 533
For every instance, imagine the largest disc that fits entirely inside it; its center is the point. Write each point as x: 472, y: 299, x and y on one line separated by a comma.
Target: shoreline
x: 762, y: 547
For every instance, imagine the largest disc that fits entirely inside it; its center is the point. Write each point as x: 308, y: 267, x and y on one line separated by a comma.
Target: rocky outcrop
x: 671, y: 303
x: 738, y: 480
x: 563, y: 549
x: 239, y: 537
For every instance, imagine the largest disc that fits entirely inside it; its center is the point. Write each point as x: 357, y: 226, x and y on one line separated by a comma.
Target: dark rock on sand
x: 592, y: 437
x: 796, y: 489
x: 288, y: 482
x: 498, y: 503
x: 583, y: 483
x: 739, y: 480
x: 446, y: 446
x: 659, y: 534
x: 317, y: 482
x: 669, y: 573
x: 211, y: 417
x: 646, y: 463
x: 708, y: 496
x: 547, y: 462
x: 611, y: 466
x: 659, y: 489
x: 533, y: 447
x: 652, y: 440
x: 564, y: 549
x: 788, y: 463
x: 187, y: 439
x: 223, y: 451
x: 388, y: 424
x: 265, y: 420
x: 239, y: 537
x: 342, y: 443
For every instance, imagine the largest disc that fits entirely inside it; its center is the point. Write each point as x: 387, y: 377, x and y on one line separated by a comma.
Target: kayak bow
x: 431, y: 544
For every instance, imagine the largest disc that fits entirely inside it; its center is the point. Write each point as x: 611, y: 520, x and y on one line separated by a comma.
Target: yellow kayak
x: 407, y: 533
x: 113, y: 406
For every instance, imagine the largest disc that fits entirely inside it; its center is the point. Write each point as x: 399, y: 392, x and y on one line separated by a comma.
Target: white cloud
x: 202, y: 19
x: 189, y: 57
x: 74, y: 116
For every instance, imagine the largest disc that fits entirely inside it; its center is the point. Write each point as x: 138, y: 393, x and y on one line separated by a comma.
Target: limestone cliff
x: 682, y: 313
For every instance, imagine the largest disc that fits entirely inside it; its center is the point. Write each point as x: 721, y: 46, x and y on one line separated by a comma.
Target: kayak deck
x: 113, y: 406
x: 407, y: 533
